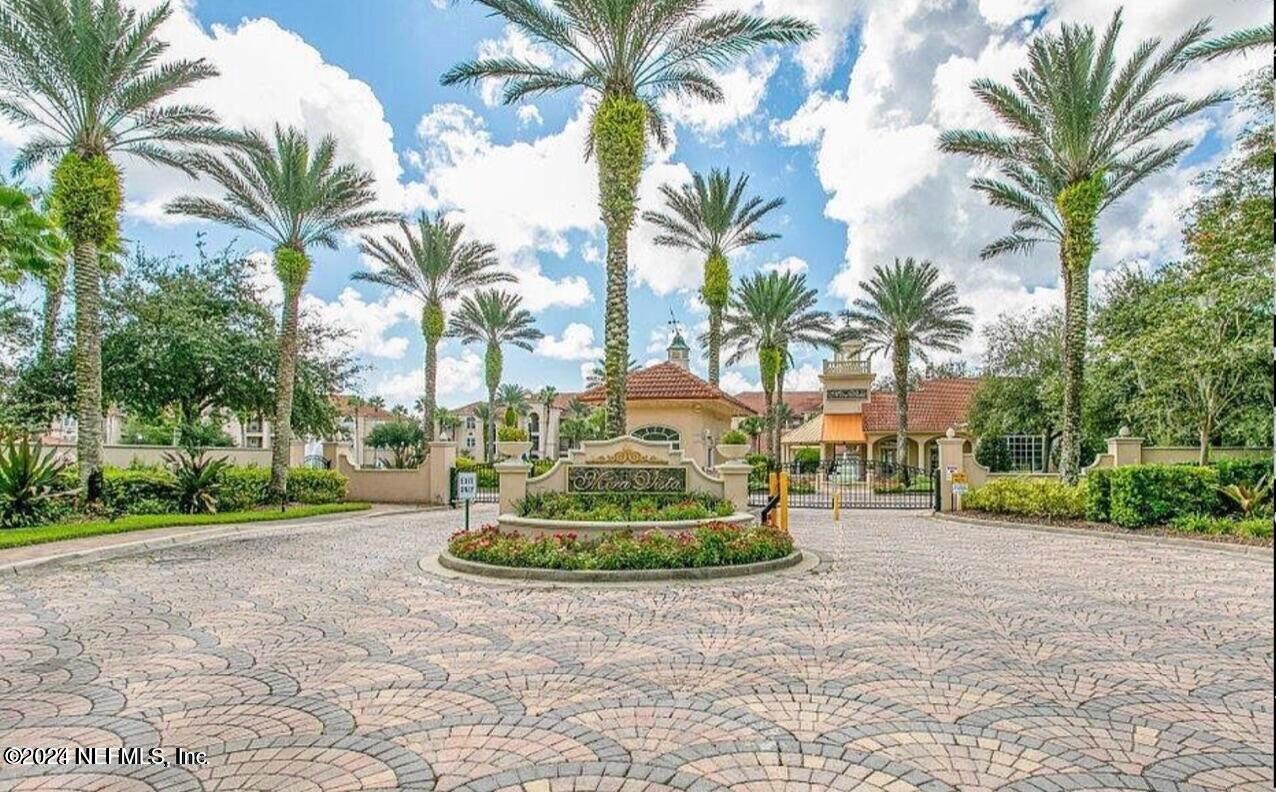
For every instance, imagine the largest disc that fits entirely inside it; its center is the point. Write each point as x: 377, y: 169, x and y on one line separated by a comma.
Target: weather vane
x: 673, y: 321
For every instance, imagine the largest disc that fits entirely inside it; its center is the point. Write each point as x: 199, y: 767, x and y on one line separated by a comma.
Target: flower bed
x: 623, y: 508
x: 711, y: 545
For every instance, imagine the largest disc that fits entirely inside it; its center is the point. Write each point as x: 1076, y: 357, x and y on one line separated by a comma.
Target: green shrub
x: 806, y: 460
x: 541, y: 466
x: 733, y: 437
x: 122, y: 488
x: 761, y: 469
x: 1098, y: 494
x: 197, y: 478
x: 242, y: 488
x: 715, y: 544
x: 1242, y: 472
x: 1028, y: 497
x: 487, y: 477
x: 315, y: 485
x: 623, y: 507
x: 510, y: 434
x: 32, y: 484
x: 1156, y: 494
x: 992, y: 453
x: 1253, y: 528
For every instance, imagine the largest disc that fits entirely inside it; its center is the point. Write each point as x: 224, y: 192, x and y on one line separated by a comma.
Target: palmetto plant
x: 1082, y: 132
x: 769, y: 311
x: 907, y: 310
x: 198, y: 478
x: 30, y: 483
x: 493, y: 317
x: 296, y: 196
x: 433, y: 264
x: 86, y: 76
x: 712, y: 215
x: 629, y: 54
x: 1248, y: 498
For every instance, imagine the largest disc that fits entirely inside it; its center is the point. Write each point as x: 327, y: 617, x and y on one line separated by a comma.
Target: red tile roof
x: 933, y: 406
x: 800, y: 402
x: 668, y: 381
x: 342, y: 403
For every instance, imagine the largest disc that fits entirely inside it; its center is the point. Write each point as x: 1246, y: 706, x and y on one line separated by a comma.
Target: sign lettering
x: 466, y: 485
x: 597, y: 478
x: 847, y: 393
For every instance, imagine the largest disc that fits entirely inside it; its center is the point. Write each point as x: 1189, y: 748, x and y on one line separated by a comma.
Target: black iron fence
x: 853, y: 484
x: 488, y: 490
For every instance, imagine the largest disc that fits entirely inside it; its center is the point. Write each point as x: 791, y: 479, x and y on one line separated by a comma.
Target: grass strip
x: 57, y: 532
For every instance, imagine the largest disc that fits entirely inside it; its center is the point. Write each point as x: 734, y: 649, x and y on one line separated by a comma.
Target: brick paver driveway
x: 919, y: 655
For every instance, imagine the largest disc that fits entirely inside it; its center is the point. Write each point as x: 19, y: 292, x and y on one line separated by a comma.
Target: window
x: 469, y: 441
x: 470, y: 423
x: 534, y: 430
x: 254, y: 425
x: 662, y: 434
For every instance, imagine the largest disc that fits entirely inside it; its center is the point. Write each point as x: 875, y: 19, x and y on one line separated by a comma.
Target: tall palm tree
x: 801, y: 323
x: 436, y: 267
x: 486, y: 417
x: 712, y: 215
x: 546, y: 397
x: 907, y: 310
x: 297, y: 197
x: 87, y: 75
x: 629, y: 54
x: 1081, y: 133
x: 493, y: 317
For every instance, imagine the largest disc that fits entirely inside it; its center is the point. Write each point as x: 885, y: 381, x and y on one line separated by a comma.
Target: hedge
x: 1244, y: 472
x: 1098, y: 494
x: 153, y: 490
x: 1028, y: 497
x: 1156, y: 494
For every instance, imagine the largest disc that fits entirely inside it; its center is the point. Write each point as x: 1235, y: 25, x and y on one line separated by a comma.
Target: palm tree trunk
x: 778, y: 430
x: 88, y: 369
x: 769, y: 403
x: 1076, y: 310
x: 431, y: 379
x: 285, y: 379
x: 715, y: 343
x: 901, y: 361
x: 620, y: 129
x: 54, y: 291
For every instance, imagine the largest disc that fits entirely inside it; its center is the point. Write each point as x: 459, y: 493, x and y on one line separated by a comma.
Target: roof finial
x: 678, y: 351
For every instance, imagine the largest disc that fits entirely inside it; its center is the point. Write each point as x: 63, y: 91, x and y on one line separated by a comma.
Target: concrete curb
x: 131, y: 544
x: 1255, y: 552
x: 443, y: 563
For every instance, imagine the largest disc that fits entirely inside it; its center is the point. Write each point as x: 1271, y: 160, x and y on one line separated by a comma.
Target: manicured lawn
x: 18, y: 537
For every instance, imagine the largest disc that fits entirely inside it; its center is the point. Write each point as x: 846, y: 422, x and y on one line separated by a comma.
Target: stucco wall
x: 1173, y: 455
x: 125, y: 455
x: 690, y: 419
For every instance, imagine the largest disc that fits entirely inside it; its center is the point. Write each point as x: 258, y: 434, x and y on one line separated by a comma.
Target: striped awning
x: 844, y: 428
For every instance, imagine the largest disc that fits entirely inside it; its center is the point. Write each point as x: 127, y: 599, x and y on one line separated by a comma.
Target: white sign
x: 466, y: 485
x: 959, y: 489
x: 950, y: 470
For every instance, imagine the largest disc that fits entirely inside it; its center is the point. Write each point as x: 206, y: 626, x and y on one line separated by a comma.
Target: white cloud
x: 833, y: 18
x: 743, y: 86
x: 791, y: 264
x: 803, y: 378
x: 576, y: 343
x: 528, y: 115
x: 732, y: 381
x: 513, y: 43
x: 459, y: 379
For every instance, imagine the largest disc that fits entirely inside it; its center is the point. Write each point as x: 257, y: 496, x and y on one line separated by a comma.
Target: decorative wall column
x: 441, y: 460
x: 1125, y: 450
x: 512, y: 475
x: 735, y: 483
x: 950, y: 461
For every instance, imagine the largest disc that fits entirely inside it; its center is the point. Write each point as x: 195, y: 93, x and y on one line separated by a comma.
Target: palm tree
x: 546, y: 397
x: 1236, y: 42
x: 486, y: 417
x: 514, y: 399
x: 296, y: 197
x: 376, y: 402
x: 712, y: 216
x: 629, y: 54
x: 493, y: 317
x: 907, y: 310
x: 753, y: 426
x: 1082, y: 133
x: 598, y: 373
x: 433, y: 265
x: 446, y: 420
x: 87, y: 75
x: 770, y: 312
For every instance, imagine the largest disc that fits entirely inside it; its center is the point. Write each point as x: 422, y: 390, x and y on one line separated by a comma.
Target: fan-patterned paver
x: 918, y: 655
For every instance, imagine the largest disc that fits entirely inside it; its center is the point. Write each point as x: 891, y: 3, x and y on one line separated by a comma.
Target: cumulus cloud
x: 732, y: 381
x: 743, y: 86
x: 790, y: 264
x: 874, y: 143
x: 513, y: 43
x: 459, y: 379
x: 575, y: 343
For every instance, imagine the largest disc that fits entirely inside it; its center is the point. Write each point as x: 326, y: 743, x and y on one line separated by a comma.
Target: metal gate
x: 489, y: 489
x: 854, y: 484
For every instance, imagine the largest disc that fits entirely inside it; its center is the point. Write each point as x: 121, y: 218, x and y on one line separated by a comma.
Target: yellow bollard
x: 773, y: 483
x: 784, y: 501
x: 837, y: 507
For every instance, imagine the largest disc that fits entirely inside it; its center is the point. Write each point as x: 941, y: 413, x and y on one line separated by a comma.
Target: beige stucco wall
x: 1174, y: 455
x: 125, y: 455
x: 691, y: 419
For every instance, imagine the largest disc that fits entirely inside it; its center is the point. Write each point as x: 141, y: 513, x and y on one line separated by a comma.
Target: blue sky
x: 842, y: 128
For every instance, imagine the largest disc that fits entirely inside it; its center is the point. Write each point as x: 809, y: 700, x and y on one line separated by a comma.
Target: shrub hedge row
x: 153, y: 490
x: 1132, y: 497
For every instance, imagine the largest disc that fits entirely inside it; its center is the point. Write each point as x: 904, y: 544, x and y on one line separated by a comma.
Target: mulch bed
x: 1116, y: 529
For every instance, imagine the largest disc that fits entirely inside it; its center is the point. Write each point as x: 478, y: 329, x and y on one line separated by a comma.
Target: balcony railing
x: 845, y: 367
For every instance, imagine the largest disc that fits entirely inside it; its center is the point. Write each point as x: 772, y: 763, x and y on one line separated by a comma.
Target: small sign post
x: 466, y: 489
x: 959, y: 486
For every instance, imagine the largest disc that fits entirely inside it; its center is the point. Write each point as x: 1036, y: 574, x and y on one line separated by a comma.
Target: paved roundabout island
x: 917, y: 655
